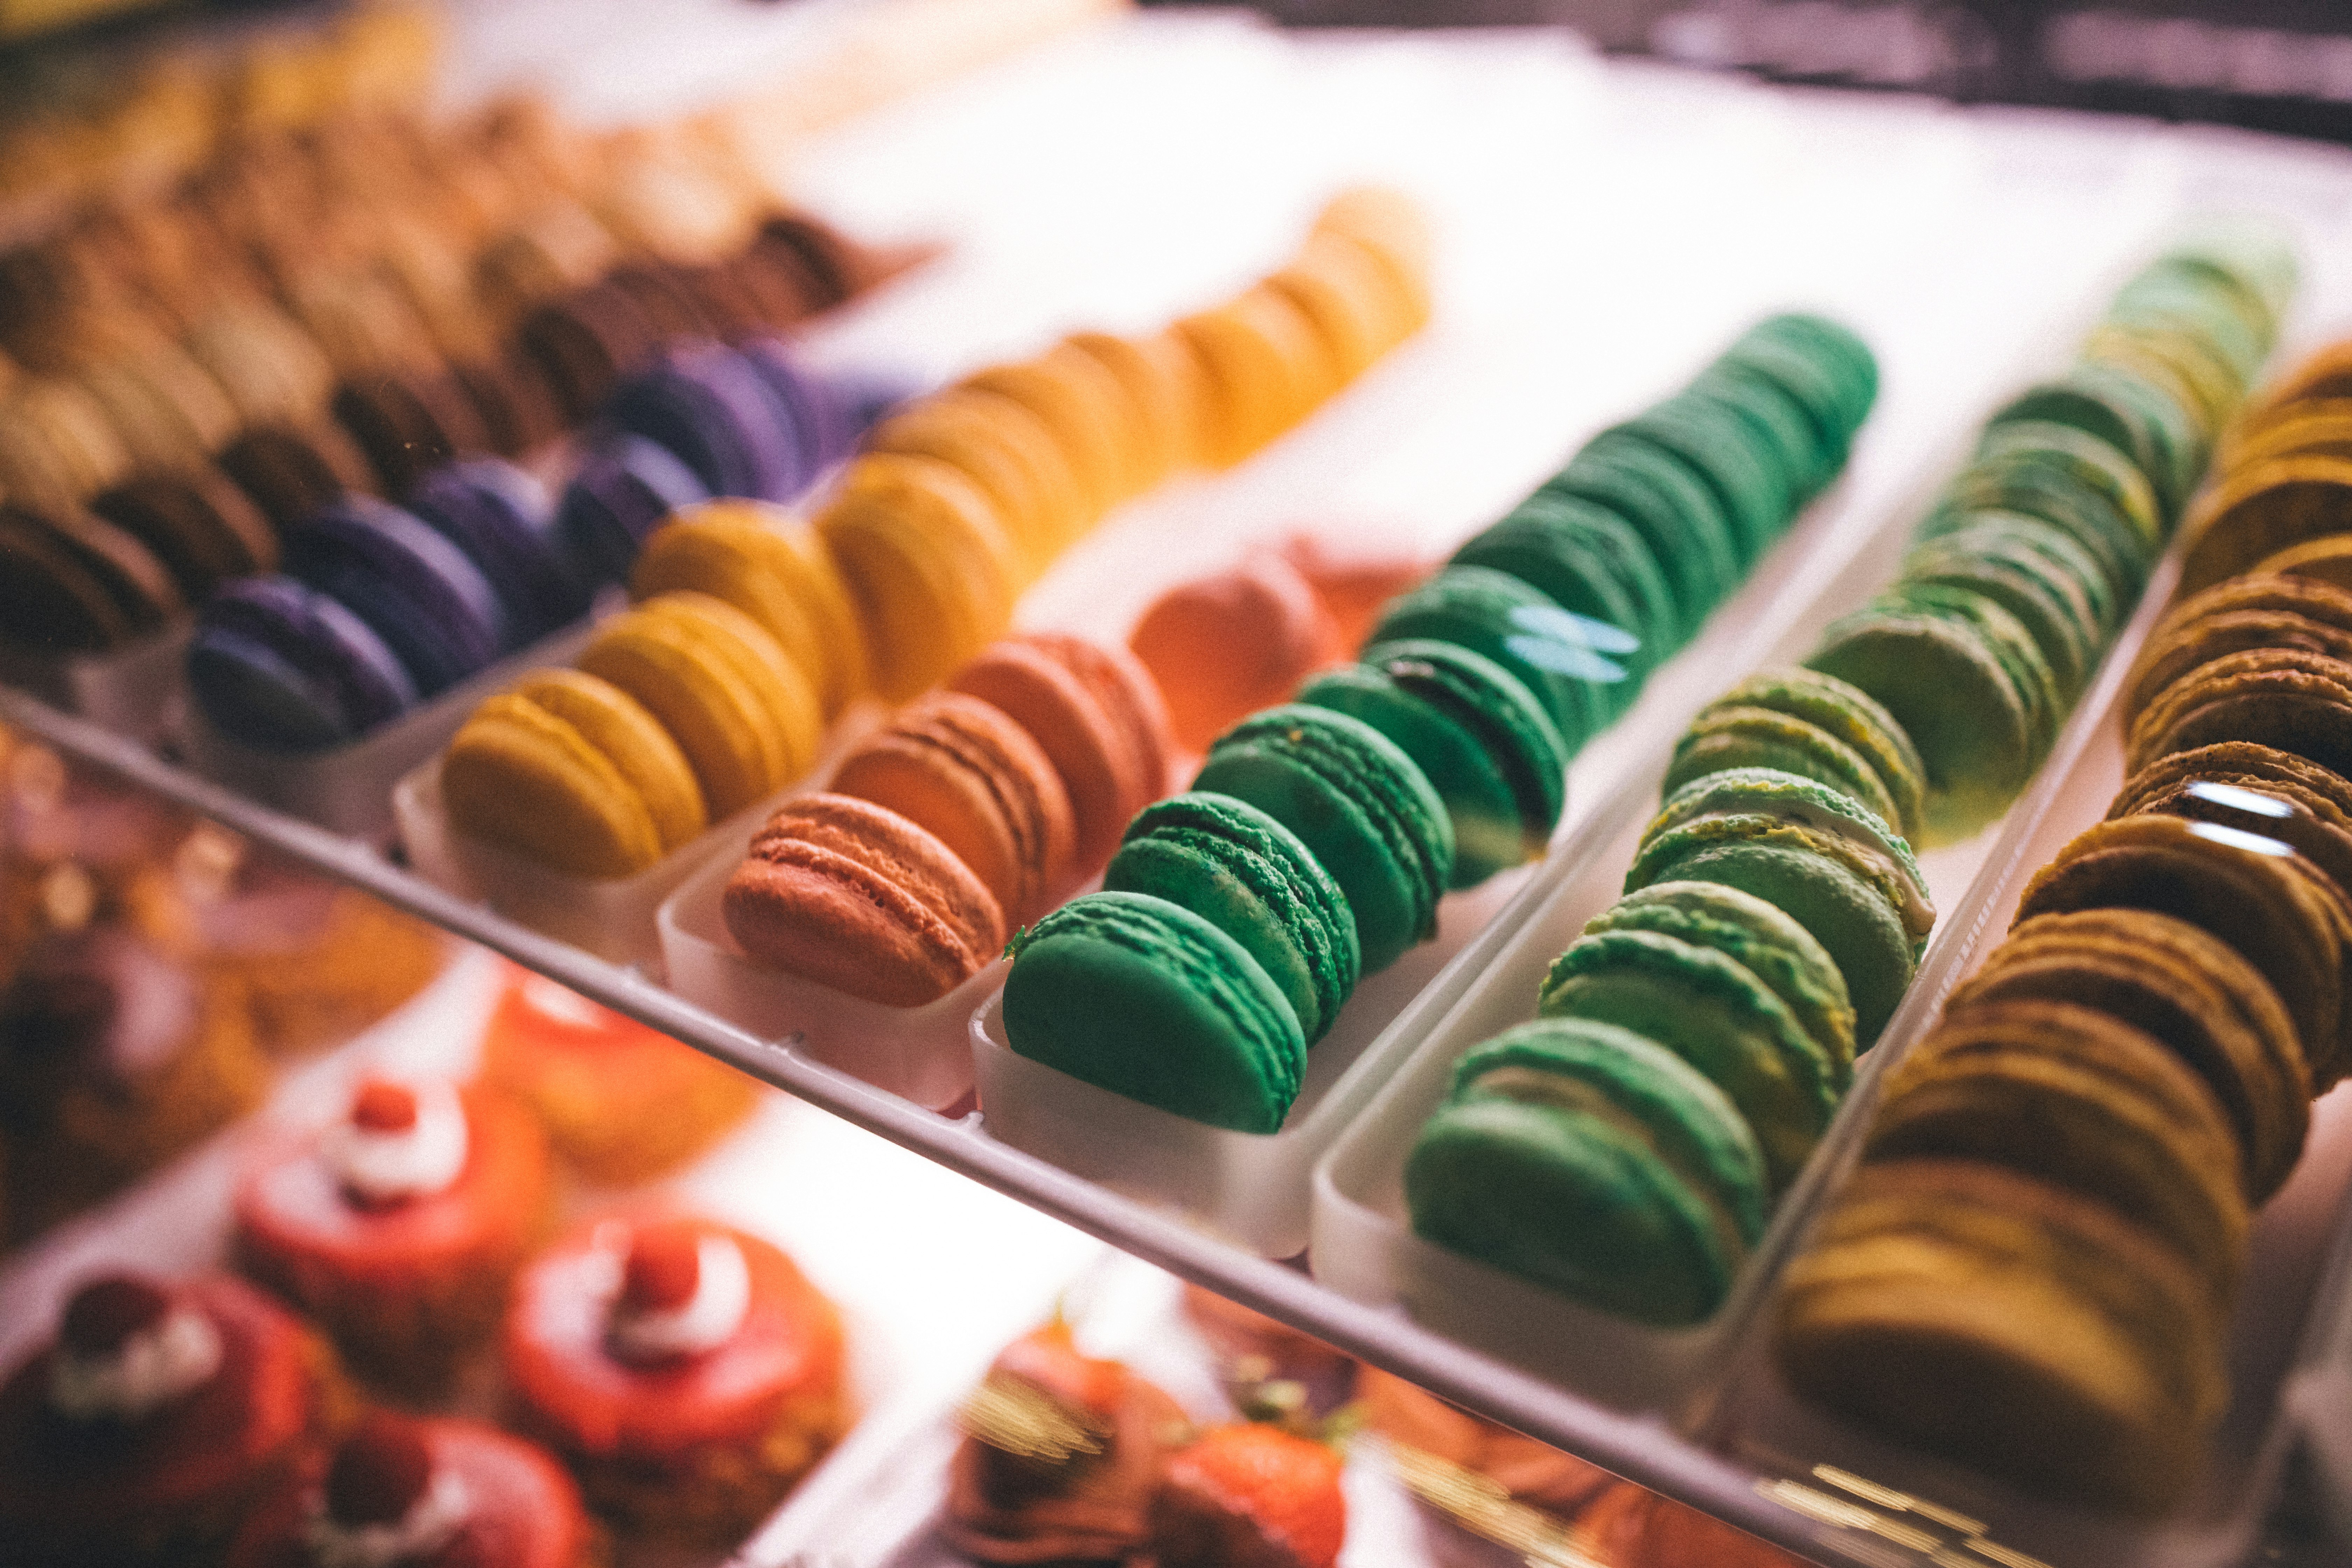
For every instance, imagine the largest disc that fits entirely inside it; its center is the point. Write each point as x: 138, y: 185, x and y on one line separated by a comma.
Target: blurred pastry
x: 1250, y: 1496
x: 1222, y: 646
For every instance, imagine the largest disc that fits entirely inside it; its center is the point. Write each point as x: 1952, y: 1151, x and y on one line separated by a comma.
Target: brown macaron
x: 1097, y: 714
x: 2282, y: 916
x: 71, y: 581
x: 289, y: 471
x: 2075, y: 1097
x: 408, y: 422
x: 2183, y: 987
x: 2256, y: 512
x: 2284, y: 697
x: 964, y: 771
x: 853, y: 895
x: 2242, y: 614
x: 200, y: 526
x: 2328, y: 793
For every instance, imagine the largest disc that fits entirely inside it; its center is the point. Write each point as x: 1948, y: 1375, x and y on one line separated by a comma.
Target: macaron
x: 1727, y: 735
x: 2063, y: 496
x: 1261, y: 368
x: 1952, y: 696
x: 2006, y: 639
x: 2042, y: 550
x: 1097, y: 714
x: 418, y: 592
x: 2253, y: 512
x: 76, y: 583
x: 1571, y: 665
x: 2087, y: 461
x: 2048, y: 603
x: 2328, y: 559
x: 853, y: 896
x: 1481, y: 740
x: 2278, y: 697
x: 504, y: 522
x: 204, y: 530
x: 746, y: 719
x: 1076, y: 400
x: 1833, y: 867
x: 1221, y: 646
x: 1143, y: 998
x: 824, y: 416
x: 928, y: 567
x: 406, y: 422
x: 1358, y: 803
x: 964, y: 771
x: 1847, y: 715
x: 569, y: 771
x: 281, y: 667
x: 1677, y: 517
x: 1760, y: 937
x: 1251, y: 878
x: 1712, y: 1010
x: 292, y: 470
x: 626, y: 487
x: 1007, y: 452
x: 2323, y: 791
x: 2077, y: 1098
x: 1162, y: 382
x: 1588, y: 560
x: 1591, y: 1161
x: 582, y: 342
x: 2007, y: 1324
x: 2256, y: 611
x: 1718, y: 449
x: 768, y: 564
x: 2124, y: 411
x: 2187, y: 989
x: 2271, y: 907
x: 708, y: 405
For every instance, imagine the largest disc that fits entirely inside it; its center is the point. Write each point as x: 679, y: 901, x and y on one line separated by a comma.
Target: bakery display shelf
x: 2290, y: 1343
x: 1639, y: 1449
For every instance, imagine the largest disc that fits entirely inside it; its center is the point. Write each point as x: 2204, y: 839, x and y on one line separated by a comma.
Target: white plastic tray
x: 349, y: 789
x: 1363, y: 1245
x: 140, y: 691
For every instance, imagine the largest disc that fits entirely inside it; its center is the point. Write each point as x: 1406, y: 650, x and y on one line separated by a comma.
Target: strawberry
x: 1251, y: 1496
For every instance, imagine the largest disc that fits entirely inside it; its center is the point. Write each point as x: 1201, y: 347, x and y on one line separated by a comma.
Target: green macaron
x: 2043, y: 548
x: 1718, y: 449
x: 1587, y: 559
x: 1848, y: 714
x: 2126, y: 412
x: 1831, y: 344
x: 1359, y: 804
x: 2020, y: 483
x: 1810, y: 850
x: 1594, y: 1162
x: 2046, y: 603
x: 2090, y: 460
x: 2011, y: 646
x: 1483, y: 742
x: 1250, y: 877
x: 1730, y: 735
x: 1712, y: 1010
x: 1763, y: 937
x: 1143, y: 998
x: 1570, y: 663
x: 1676, y: 515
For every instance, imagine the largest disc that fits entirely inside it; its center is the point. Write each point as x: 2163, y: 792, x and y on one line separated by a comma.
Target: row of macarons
x: 377, y: 608
x: 1318, y: 836
x: 2078, y: 1146
x: 912, y: 562
x: 1693, y: 1045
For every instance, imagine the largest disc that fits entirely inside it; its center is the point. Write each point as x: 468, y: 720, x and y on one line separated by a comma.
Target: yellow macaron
x: 1075, y: 397
x: 573, y: 772
x: 746, y: 719
x: 928, y: 564
x: 1162, y: 382
x: 1263, y: 369
x: 1007, y: 452
x: 768, y: 564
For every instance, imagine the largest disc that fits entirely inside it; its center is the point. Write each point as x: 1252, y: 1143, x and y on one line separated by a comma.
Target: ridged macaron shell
x: 1851, y: 715
x: 1007, y: 452
x: 2076, y: 1097
x: 853, y: 896
x: 1596, y: 1163
x: 1677, y: 517
x: 2324, y: 791
x: 746, y: 719
x: 2218, y: 879
x: 2278, y: 697
x: 2261, y: 509
x: 1502, y: 618
x: 1760, y: 936
x: 1142, y: 997
x: 928, y: 565
x: 1483, y: 742
x: 1867, y: 841
x: 1713, y: 1012
x: 2245, y: 613
x: 961, y: 769
x: 765, y: 561
x: 2008, y: 1325
x: 570, y: 772
x: 2183, y: 987
x: 1343, y: 293
x: 1728, y: 735
x: 2094, y: 462
x: 1095, y: 712
x: 1250, y: 877
x: 1360, y: 805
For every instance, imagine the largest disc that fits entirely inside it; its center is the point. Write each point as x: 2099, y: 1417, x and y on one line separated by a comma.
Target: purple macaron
x: 621, y: 494
x: 709, y: 406
x: 284, y: 667
x: 505, y: 523
x: 417, y: 591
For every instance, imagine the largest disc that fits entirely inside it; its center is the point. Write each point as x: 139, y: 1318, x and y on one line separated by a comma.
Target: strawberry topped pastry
x: 400, y: 1225
x: 147, y: 1427
x: 439, y: 1493
x: 590, y: 1074
x: 687, y: 1372
x: 1061, y: 1457
x: 1250, y: 1496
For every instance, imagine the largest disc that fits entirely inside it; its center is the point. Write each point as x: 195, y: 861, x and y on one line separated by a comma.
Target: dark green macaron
x: 1250, y: 877
x: 1829, y: 345
x: 1810, y: 850
x: 1763, y: 937
x: 1483, y: 742
x: 1676, y: 515
x: 1587, y: 559
x: 1570, y: 663
x: 1712, y: 1010
x: 1143, y: 998
x: 1594, y: 1162
x: 1359, y: 804
x: 1718, y: 450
